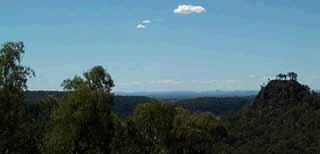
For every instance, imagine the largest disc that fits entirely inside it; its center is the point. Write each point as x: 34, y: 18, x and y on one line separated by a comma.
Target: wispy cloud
x: 146, y: 21
x: 252, y: 76
x: 315, y: 77
x: 166, y: 82
x: 189, y: 9
x: 232, y: 81
x: 141, y: 26
x: 130, y: 83
x: 205, y: 82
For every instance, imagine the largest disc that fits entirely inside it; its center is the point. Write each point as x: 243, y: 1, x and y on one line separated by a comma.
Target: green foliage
x: 13, y: 76
x: 16, y: 134
x: 71, y: 84
x: 148, y: 131
x: 41, y: 113
x: 215, y: 105
x: 284, y: 118
x: 122, y: 105
x: 82, y: 124
x: 154, y: 122
x: 197, y: 133
x: 126, y: 139
x: 157, y: 128
x: 97, y: 78
x: 125, y: 105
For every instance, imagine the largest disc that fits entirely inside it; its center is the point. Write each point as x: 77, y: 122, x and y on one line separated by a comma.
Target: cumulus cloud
x: 141, y: 26
x: 189, y: 9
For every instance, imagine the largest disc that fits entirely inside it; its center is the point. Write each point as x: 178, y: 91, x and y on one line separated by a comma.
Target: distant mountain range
x: 188, y: 94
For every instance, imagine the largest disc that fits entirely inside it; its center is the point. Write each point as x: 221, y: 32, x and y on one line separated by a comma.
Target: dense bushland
x: 284, y: 118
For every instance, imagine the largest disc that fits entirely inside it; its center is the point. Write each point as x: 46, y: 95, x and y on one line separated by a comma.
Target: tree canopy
x: 15, y: 126
x: 82, y: 124
x: 97, y: 78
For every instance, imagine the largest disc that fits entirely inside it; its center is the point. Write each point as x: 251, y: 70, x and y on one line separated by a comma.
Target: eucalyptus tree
x: 83, y: 123
x: 198, y: 133
x: 154, y: 124
x: 293, y: 76
x: 15, y: 129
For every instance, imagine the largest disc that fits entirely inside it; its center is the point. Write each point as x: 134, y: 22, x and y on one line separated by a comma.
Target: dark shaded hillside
x: 216, y: 105
x: 180, y: 95
x: 123, y: 105
x: 281, y: 93
x: 284, y: 119
x: 38, y: 95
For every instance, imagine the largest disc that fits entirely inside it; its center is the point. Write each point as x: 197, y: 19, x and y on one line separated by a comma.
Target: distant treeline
x: 178, y: 95
x: 125, y: 105
x: 216, y: 105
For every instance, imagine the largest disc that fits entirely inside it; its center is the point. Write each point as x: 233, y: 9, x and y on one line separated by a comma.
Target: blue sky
x: 228, y: 45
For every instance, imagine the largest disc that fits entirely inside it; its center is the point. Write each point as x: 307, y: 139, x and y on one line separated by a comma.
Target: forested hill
x: 284, y: 119
x: 216, y: 105
x: 180, y: 95
x: 125, y: 105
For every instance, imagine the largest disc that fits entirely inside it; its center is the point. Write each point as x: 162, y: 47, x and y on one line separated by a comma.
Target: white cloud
x: 130, y: 83
x: 146, y: 21
x: 141, y: 26
x: 189, y: 9
x: 136, y: 83
x: 315, y: 77
x: 252, y: 76
x: 232, y: 81
x: 205, y: 82
x: 166, y: 82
